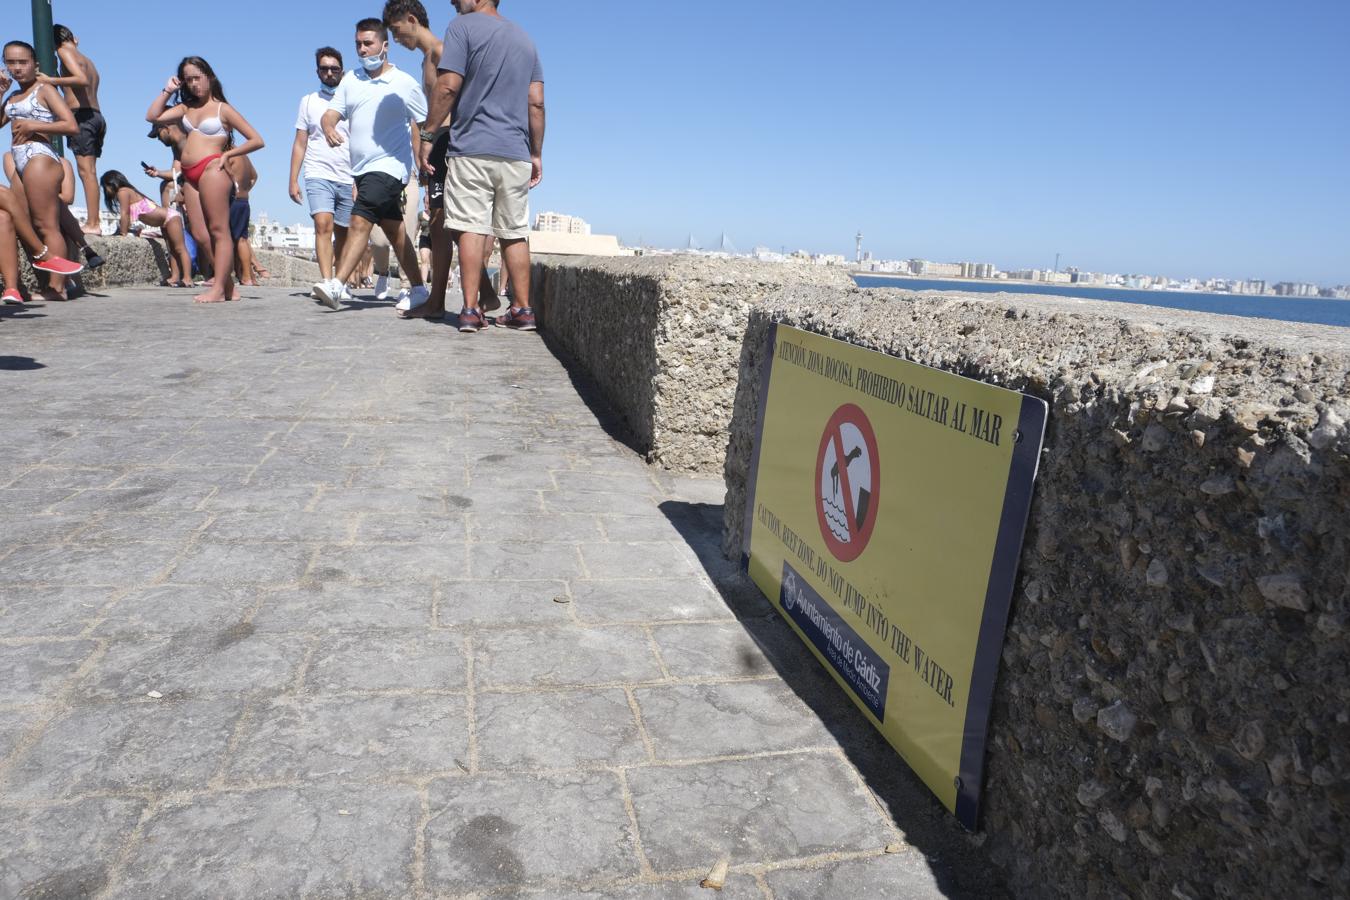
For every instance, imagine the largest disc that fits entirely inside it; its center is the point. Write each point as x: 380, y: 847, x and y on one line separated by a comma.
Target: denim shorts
x: 330, y: 197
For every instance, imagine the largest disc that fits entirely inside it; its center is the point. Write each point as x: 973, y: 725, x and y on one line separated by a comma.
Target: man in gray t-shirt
x: 491, y: 87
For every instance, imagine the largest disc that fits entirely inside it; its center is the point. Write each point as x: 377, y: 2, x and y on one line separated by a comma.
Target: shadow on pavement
x: 615, y: 426
x: 960, y: 868
x: 19, y: 364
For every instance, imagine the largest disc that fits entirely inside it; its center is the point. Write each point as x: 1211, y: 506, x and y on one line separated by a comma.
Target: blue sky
x: 1200, y: 138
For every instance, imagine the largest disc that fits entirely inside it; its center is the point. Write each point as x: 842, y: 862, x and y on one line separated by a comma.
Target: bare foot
x: 52, y: 296
x: 249, y: 283
x: 261, y: 274
x: 421, y: 312
x: 92, y: 230
x: 211, y: 297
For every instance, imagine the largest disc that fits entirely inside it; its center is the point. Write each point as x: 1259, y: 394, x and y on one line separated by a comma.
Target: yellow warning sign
x: 885, y: 519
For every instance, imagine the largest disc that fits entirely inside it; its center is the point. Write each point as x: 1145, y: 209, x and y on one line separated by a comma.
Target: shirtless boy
x: 78, y: 79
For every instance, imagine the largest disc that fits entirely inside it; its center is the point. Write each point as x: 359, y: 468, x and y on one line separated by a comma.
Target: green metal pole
x: 45, y: 44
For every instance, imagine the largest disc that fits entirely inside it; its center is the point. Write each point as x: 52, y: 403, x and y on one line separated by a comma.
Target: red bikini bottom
x: 194, y: 174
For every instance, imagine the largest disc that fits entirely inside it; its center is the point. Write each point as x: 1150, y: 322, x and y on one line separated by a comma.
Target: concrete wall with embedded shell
x: 132, y: 261
x: 1172, y: 715
x: 1173, y: 707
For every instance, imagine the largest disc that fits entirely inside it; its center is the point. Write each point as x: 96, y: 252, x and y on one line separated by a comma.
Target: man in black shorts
x: 381, y: 105
x: 78, y: 79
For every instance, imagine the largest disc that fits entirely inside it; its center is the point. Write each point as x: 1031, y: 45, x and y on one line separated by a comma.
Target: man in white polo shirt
x: 328, y: 170
x: 382, y: 106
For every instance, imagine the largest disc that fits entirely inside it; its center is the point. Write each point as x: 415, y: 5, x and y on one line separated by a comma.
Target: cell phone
x: 146, y: 166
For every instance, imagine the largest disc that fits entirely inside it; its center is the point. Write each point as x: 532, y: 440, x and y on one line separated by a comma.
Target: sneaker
x: 11, y: 297
x: 92, y: 258
x: 521, y: 318
x: 331, y: 293
x: 382, y: 287
x: 470, y: 321
x: 58, y: 266
x: 410, y: 299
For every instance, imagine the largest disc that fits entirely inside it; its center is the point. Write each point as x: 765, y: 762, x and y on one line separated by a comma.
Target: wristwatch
x: 428, y: 137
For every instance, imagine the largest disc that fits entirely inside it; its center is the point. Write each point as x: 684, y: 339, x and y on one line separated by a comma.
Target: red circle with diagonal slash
x: 859, y: 534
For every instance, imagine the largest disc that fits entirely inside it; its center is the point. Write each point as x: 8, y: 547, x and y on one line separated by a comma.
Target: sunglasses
x: 330, y: 68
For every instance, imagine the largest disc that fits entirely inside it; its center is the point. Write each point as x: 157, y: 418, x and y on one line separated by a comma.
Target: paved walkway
x: 309, y: 603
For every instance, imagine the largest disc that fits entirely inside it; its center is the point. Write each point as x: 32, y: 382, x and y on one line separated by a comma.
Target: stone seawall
x: 662, y: 337
x: 134, y: 261
x: 1173, y: 710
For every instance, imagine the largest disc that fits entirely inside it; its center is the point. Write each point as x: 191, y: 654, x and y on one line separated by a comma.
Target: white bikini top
x: 30, y: 107
x: 210, y: 127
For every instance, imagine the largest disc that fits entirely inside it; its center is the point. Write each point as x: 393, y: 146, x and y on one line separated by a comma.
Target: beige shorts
x: 488, y: 195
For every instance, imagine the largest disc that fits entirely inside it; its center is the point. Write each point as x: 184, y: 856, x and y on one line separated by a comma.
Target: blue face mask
x: 325, y: 89
x: 373, y: 63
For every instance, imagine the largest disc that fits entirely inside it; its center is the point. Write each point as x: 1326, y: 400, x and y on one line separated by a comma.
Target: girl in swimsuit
x: 35, y: 113
x: 133, y: 206
x: 208, y: 122
x: 76, y: 239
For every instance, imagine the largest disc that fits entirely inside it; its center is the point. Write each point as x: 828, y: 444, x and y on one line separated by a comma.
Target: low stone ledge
x: 145, y: 261
x: 1171, y: 715
x: 661, y: 336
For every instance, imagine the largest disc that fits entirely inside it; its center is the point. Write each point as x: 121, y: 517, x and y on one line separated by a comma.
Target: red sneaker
x: 519, y: 318
x: 58, y: 266
x: 470, y: 321
x: 11, y: 297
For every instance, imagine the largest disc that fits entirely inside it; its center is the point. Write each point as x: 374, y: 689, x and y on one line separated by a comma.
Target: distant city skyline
x: 1205, y: 138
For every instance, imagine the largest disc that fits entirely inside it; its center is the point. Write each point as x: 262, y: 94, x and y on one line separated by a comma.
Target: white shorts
x: 488, y: 195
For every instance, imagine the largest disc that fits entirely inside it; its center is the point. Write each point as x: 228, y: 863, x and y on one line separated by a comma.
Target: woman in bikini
x: 208, y: 121
x: 133, y: 206
x: 35, y: 113
x: 76, y: 238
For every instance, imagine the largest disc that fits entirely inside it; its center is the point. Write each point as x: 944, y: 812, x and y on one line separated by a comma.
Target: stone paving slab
x: 304, y: 603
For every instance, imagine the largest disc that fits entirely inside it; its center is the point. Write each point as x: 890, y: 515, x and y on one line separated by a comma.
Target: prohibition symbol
x: 848, y: 473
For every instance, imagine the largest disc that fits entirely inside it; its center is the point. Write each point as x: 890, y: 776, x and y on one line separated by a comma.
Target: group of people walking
x: 470, y: 130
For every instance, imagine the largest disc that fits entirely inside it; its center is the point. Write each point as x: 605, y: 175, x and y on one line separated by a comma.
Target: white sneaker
x: 382, y: 287
x: 330, y: 293
x: 409, y: 300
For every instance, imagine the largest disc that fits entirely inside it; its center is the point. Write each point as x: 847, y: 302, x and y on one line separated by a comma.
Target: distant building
x: 269, y: 235
x: 557, y: 223
x: 1295, y: 289
x: 935, y: 269
x: 977, y: 270
x: 108, y: 221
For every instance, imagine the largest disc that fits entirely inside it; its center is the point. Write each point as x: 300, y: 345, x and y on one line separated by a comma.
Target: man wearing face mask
x: 328, y: 170
x: 382, y: 106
